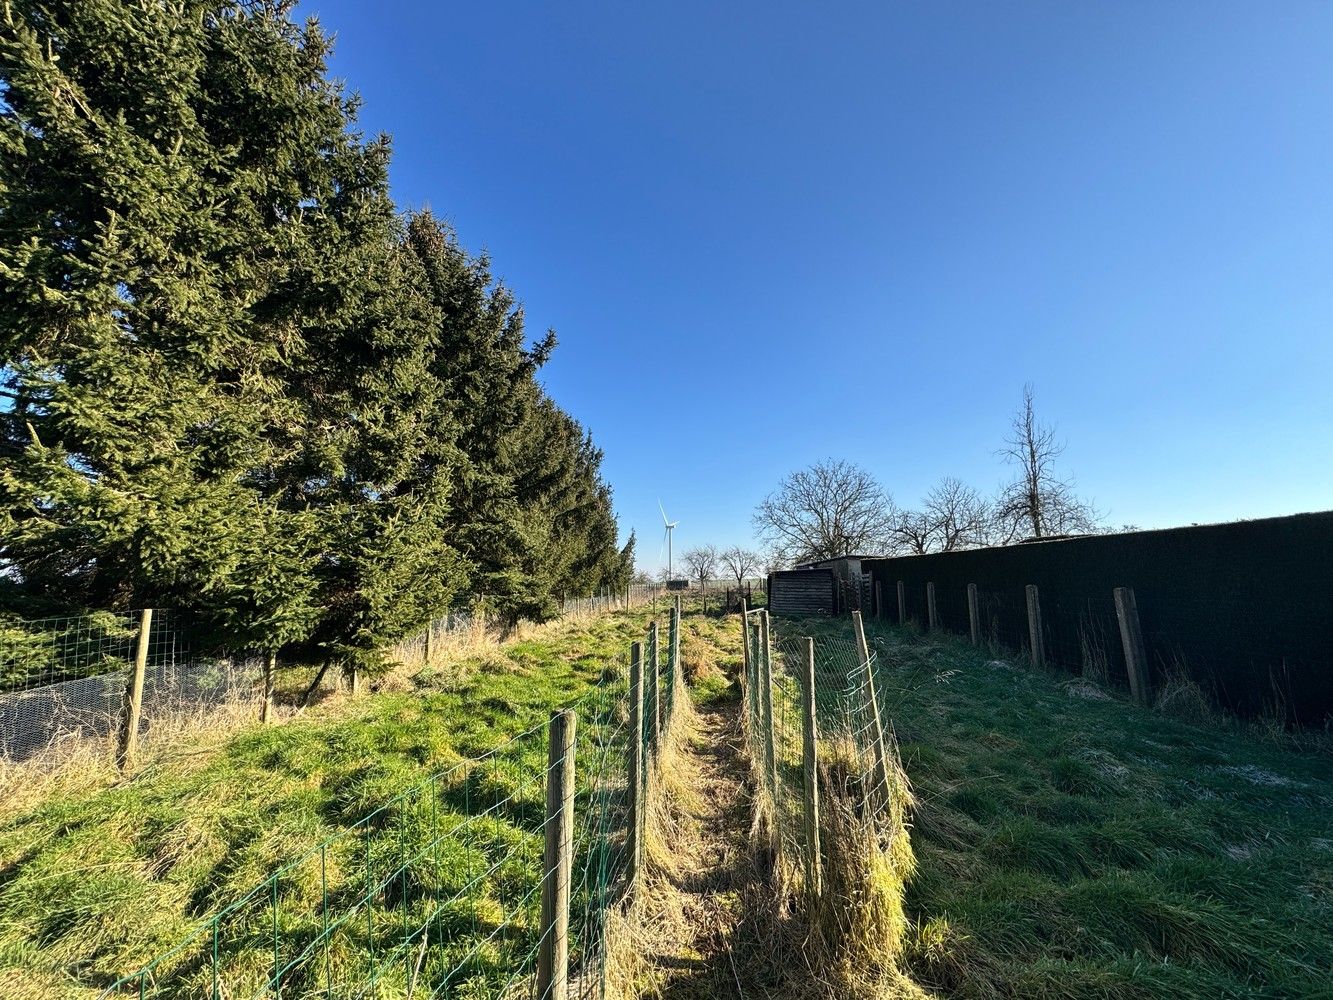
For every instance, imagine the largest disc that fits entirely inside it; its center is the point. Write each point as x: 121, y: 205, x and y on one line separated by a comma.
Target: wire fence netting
x: 812, y: 727
x: 439, y: 891
x: 64, y: 681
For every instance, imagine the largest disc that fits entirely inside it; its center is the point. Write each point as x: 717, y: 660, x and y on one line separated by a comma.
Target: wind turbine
x: 668, y: 526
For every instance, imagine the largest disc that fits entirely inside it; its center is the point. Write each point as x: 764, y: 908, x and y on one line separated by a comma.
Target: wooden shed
x: 802, y: 592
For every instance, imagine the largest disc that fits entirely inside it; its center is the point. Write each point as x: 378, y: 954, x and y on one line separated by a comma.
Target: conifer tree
x: 233, y: 380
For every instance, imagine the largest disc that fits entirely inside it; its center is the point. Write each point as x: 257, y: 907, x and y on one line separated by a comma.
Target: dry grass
x: 76, y: 763
x: 847, y: 940
x: 657, y: 920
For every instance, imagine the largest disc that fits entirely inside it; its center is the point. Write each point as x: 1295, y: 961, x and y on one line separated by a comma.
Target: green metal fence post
x: 655, y: 689
x: 872, y: 706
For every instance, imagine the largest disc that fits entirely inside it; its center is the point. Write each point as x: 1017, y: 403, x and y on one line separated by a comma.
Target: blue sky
x: 892, y: 216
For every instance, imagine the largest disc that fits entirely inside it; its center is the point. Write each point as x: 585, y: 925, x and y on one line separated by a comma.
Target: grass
x: 1069, y: 844
x: 100, y: 874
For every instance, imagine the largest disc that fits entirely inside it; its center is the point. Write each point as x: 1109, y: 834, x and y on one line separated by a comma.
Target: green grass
x: 97, y: 882
x: 1077, y: 847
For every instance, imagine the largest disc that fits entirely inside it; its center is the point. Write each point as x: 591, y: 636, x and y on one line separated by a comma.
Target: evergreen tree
x: 153, y: 189
x: 233, y: 380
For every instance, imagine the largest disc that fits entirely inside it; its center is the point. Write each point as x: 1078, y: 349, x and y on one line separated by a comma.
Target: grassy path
x: 701, y: 862
x: 713, y: 858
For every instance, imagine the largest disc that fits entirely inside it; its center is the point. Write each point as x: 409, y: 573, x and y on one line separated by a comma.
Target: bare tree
x: 740, y: 562
x: 1039, y: 500
x: 702, y: 563
x: 957, y: 513
x: 912, y: 532
x: 833, y: 508
x: 952, y: 516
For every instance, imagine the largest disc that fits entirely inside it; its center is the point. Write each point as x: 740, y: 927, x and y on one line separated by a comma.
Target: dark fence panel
x: 1246, y: 609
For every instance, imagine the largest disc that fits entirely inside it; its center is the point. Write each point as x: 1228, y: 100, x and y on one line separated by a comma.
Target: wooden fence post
x: 270, y: 670
x: 745, y: 638
x: 654, y: 690
x: 974, y: 614
x: 810, y: 770
x: 872, y: 705
x: 879, y: 599
x: 129, y: 721
x: 1131, y: 638
x: 1034, y: 626
x: 553, y: 954
x: 932, y: 613
x: 430, y: 643
x: 902, y: 604
x: 766, y: 703
x: 634, y: 846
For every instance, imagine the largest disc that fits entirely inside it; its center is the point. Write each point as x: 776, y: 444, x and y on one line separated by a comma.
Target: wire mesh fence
x: 812, y: 727
x: 64, y: 681
x: 445, y: 890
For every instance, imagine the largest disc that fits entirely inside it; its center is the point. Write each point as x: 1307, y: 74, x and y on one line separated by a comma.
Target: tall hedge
x: 235, y: 379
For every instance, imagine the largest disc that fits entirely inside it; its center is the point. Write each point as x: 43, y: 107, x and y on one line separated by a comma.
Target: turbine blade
x: 662, y: 509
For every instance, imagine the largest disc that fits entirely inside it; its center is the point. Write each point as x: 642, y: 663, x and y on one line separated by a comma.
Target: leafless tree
x: 957, y: 513
x: 1039, y: 500
x: 912, y: 532
x: 740, y: 562
x: 952, y: 516
x: 702, y: 563
x: 833, y: 508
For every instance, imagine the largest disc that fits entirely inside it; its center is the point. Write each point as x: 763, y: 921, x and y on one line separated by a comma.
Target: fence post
x: 129, y: 722
x: 654, y: 688
x: 270, y: 669
x: 879, y: 599
x: 766, y: 703
x: 974, y: 614
x: 553, y: 957
x: 634, y: 848
x: 745, y: 638
x: 932, y: 613
x: 1131, y: 637
x: 430, y: 642
x: 1034, y: 626
x: 872, y: 704
x: 811, y: 775
x: 902, y: 604
x: 677, y: 674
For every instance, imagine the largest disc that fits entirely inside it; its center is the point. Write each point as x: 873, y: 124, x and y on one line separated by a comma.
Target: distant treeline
x: 236, y: 380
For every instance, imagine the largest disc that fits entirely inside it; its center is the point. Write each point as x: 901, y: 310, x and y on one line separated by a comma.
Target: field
x: 1069, y: 844
x: 101, y: 875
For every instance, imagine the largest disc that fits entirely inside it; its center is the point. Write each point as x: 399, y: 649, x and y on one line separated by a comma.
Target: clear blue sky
x: 893, y: 215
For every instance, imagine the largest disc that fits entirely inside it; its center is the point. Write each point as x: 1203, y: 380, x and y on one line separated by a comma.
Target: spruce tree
x: 165, y: 171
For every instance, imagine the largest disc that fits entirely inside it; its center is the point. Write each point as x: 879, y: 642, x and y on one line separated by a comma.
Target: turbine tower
x: 667, y: 528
